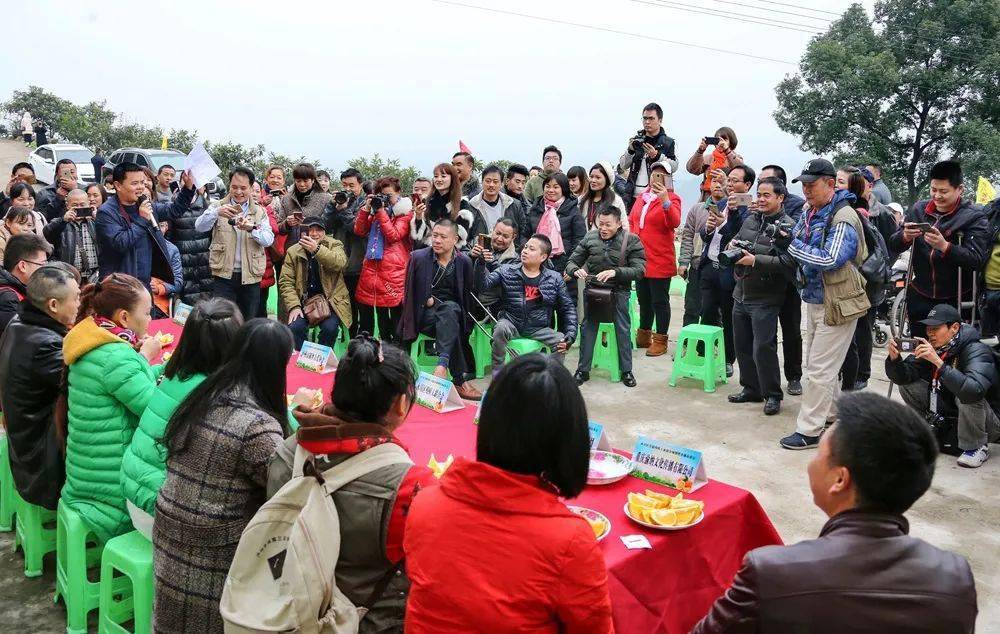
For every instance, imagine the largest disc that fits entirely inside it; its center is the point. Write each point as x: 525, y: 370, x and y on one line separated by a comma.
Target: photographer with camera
x: 649, y: 145
x: 236, y: 256
x: 950, y: 378
x: 723, y: 156
x: 339, y: 217
x: 715, y: 271
x: 51, y: 200
x: 761, y: 273
x: 73, y: 236
x: 828, y: 245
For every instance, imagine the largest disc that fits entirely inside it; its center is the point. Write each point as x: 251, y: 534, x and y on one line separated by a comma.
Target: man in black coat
x: 649, y: 146
x: 436, y: 303
x: 24, y: 254
x: 951, y: 375
x: 31, y: 367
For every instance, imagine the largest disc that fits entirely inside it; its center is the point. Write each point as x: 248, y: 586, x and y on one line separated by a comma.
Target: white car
x: 45, y: 157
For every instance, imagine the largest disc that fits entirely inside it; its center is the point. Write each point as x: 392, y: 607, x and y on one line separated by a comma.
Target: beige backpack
x: 282, y: 578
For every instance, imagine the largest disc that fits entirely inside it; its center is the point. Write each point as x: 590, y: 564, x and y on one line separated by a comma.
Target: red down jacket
x: 490, y: 550
x: 655, y: 229
x: 382, y: 281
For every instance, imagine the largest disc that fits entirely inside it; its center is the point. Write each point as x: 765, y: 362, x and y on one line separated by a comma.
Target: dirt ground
x: 960, y: 512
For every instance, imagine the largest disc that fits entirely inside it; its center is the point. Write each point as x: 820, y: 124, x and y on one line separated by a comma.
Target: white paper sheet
x: 201, y: 166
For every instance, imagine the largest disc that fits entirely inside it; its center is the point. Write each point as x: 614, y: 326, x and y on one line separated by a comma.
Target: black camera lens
x: 340, y: 197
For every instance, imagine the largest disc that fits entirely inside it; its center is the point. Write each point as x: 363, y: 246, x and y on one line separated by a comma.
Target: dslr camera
x: 638, y: 140
x: 772, y: 230
x: 342, y: 197
x: 734, y: 252
x: 379, y: 201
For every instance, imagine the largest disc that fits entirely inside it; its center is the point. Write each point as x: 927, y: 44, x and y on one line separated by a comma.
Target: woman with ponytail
x: 109, y: 382
x: 218, y: 443
x: 208, y: 332
x: 372, y: 394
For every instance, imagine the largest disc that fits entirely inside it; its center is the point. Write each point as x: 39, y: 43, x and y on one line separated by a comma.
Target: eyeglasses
x: 35, y: 263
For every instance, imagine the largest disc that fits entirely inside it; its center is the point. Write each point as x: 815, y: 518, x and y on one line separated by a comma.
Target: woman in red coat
x: 387, y: 252
x: 655, y: 215
x: 494, y: 549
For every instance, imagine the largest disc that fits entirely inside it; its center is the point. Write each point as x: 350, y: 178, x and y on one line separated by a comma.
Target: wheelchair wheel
x: 898, y: 324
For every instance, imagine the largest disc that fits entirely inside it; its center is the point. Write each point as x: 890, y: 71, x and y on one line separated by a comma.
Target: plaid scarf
x: 115, y: 329
x: 85, y: 258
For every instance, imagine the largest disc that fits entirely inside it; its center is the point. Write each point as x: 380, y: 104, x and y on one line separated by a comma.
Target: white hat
x: 663, y: 163
x: 896, y: 207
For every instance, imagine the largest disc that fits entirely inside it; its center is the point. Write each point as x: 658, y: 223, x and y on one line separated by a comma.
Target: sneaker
x: 729, y: 370
x: 468, y: 392
x: 581, y: 377
x: 860, y: 385
x: 795, y: 387
x: 772, y: 406
x: 797, y: 441
x: 628, y: 380
x: 974, y: 457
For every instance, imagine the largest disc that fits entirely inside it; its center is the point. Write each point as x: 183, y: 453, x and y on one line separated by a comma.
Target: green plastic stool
x: 606, y: 352
x: 35, y: 533
x: 340, y: 345
x: 77, y: 551
x: 131, y: 555
x: 633, y: 309
x: 482, y: 348
x: 525, y: 346
x: 710, y: 368
x: 678, y: 285
x: 272, y: 301
x: 426, y: 362
x: 7, y: 491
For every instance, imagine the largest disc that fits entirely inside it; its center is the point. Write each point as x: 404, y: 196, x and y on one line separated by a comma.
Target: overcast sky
x: 409, y: 78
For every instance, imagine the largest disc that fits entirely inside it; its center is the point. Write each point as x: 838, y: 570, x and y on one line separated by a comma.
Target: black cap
x: 942, y: 314
x: 313, y: 221
x: 814, y: 170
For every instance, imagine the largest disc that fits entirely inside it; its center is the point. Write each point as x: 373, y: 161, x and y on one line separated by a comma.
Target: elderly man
x: 74, y: 236
x: 501, y: 250
x: 864, y: 573
x: 828, y: 245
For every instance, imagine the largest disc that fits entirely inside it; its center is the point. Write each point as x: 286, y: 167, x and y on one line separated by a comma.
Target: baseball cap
x: 814, y: 170
x: 942, y: 314
x: 313, y: 221
x: 867, y: 173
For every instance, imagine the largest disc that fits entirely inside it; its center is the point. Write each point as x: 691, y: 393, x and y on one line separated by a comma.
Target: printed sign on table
x: 437, y: 394
x: 316, y: 358
x: 181, y: 313
x: 668, y: 464
x: 599, y: 438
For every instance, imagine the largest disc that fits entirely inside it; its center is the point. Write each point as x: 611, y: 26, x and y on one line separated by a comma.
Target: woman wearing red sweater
x: 655, y: 215
x: 494, y: 549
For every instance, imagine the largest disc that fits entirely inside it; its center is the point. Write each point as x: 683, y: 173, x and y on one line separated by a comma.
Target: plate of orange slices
x: 662, y: 512
x: 598, y: 522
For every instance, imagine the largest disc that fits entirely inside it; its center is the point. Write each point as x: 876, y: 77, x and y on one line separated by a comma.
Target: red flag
x: 463, y: 147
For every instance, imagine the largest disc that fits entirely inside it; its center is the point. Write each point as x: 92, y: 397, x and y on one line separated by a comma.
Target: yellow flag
x: 163, y: 144
x: 985, y: 192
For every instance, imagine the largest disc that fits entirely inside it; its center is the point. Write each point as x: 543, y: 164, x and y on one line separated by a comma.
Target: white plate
x: 663, y: 528
x: 584, y: 512
x: 607, y: 467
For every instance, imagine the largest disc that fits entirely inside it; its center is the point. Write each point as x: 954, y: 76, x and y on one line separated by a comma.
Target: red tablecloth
x: 666, y: 589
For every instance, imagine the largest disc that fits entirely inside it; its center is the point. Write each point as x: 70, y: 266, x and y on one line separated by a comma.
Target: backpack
x: 283, y: 576
x: 876, y: 267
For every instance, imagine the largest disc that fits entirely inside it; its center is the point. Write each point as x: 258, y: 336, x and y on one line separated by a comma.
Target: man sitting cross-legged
x: 529, y: 292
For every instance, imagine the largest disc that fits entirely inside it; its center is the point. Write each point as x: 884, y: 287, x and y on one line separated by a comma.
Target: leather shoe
x: 628, y: 380
x: 745, y: 396
x: 581, y: 377
x: 772, y: 406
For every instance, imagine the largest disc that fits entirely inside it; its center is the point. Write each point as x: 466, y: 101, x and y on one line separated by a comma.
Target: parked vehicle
x: 44, y: 158
x: 153, y: 159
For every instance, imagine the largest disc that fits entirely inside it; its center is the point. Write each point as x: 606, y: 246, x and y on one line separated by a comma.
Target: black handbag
x: 599, y: 297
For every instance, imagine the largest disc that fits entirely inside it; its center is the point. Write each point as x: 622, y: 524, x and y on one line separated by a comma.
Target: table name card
x: 316, y: 358
x: 181, y: 313
x: 668, y: 464
x: 437, y: 394
x: 599, y: 438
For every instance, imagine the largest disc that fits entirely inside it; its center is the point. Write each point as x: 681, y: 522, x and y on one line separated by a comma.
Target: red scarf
x: 115, y: 329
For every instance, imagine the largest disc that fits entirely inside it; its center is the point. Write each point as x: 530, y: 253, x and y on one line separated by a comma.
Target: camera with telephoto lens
x: 734, y: 253
x: 638, y: 140
x: 378, y: 201
x: 342, y: 197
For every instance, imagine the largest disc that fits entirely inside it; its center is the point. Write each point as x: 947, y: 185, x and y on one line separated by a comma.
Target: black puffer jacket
x: 31, y: 365
x: 571, y: 226
x: 935, y: 273
x: 764, y: 282
x: 551, y: 287
x: 664, y: 146
x: 969, y: 373
x: 193, y: 246
x: 10, y: 303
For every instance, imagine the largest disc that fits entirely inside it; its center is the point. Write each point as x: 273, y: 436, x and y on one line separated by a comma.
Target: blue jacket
x: 131, y: 246
x: 793, y: 206
x: 815, y: 255
x: 174, y: 257
x: 551, y: 287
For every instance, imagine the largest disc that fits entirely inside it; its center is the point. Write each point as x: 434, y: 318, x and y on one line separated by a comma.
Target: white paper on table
x: 200, y: 165
x: 634, y: 542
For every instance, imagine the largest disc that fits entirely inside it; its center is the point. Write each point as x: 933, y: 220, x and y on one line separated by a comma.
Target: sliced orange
x: 664, y: 517
x: 687, y: 516
x: 661, y: 497
x: 643, y: 500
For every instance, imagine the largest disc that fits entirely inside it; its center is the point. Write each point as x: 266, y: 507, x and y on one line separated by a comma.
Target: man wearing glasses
x: 25, y: 253
x: 649, y: 145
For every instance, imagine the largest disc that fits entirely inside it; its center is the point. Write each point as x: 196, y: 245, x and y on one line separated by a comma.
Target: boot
x: 658, y: 345
x: 642, y: 338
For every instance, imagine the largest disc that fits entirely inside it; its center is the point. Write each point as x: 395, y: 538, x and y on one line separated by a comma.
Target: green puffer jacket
x: 110, y: 385
x: 144, y: 466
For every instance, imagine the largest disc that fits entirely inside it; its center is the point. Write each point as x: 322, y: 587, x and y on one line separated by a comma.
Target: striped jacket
x: 816, y: 255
